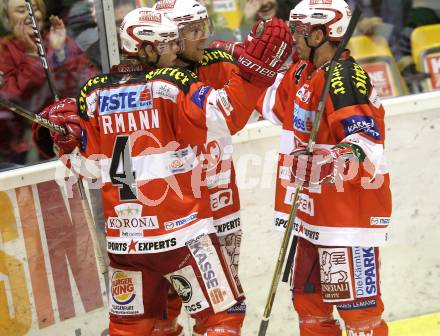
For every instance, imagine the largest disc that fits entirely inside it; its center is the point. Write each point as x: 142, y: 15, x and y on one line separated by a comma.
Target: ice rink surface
x: 410, y: 260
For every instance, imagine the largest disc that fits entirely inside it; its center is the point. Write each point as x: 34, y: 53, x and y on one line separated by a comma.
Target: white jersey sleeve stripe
x: 269, y: 102
x: 373, y: 151
x: 216, y: 124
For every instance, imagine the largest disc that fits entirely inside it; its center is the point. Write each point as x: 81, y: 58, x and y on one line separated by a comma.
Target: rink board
x: 50, y: 285
x: 427, y: 325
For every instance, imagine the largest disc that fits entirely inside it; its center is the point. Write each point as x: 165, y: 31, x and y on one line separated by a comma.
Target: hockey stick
x: 32, y: 117
x: 41, y: 50
x: 352, y: 25
x: 94, y: 231
x: 286, y: 238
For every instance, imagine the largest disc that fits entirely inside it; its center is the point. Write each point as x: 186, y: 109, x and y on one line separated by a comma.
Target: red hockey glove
x: 233, y: 48
x: 41, y: 137
x: 65, y: 113
x: 266, y: 48
x: 322, y: 165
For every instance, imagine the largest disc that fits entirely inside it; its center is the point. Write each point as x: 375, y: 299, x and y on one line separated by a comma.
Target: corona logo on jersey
x: 148, y: 16
x: 130, y: 222
x: 123, y: 291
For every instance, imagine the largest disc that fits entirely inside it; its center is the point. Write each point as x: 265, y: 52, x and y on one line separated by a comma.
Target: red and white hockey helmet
x: 147, y: 26
x: 333, y: 14
x: 189, y: 15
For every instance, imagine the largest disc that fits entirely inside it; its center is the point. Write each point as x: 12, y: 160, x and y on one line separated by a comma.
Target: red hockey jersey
x: 141, y: 129
x: 353, y: 212
x: 215, y: 69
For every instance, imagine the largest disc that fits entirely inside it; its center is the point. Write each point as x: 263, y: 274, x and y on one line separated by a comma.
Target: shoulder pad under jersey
x: 211, y: 56
x: 89, y: 86
x: 349, y: 84
x: 182, y: 78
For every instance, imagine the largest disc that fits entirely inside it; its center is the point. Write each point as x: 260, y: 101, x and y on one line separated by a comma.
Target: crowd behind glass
x: 70, y: 35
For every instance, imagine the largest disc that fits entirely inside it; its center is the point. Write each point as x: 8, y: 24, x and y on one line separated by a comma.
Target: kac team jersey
x: 215, y: 69
x: 141, y: 129
x: 357, y: 210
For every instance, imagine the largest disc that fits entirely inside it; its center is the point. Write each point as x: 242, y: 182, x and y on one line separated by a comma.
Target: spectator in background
x: 23, y: 77
x: 432, y: 4
x: 82, y: 27
x: 120, y: 9
x: 396, y: 12
x: 403, y: 19
x: 81, y: 23
x: 218, y: 13
x: 260, y: 9
x: 368, y: 7
x: 255, y: 10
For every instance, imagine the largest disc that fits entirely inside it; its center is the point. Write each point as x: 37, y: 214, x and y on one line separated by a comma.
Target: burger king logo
x: 123, y: 291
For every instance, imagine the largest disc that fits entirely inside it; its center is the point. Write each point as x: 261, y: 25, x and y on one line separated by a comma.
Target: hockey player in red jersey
x: 345, y: 206
x: 141, y: 129
x: 214, y: 67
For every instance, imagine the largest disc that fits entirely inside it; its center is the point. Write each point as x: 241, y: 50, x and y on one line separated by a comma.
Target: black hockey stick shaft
x: 41, y: 50
x: 93, y: 228
x: 287, y: 234
x: 321, y: 105
x: 32, y: 117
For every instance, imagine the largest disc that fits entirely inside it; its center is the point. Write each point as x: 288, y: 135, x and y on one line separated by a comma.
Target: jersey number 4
x: 121, y: 169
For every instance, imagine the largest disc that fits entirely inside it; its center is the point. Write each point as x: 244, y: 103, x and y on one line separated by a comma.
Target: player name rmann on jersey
x: 128, y: 109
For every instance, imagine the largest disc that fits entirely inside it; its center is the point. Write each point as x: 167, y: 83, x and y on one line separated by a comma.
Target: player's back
x: 130, y: 124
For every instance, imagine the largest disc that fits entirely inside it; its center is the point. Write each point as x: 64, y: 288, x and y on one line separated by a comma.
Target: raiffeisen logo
x: 123, y: 292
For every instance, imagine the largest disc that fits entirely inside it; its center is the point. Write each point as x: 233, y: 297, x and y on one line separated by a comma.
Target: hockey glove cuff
x: 64, y: 113
x: 323, y: 165
x: 266, y: 48
x: 233, y: 48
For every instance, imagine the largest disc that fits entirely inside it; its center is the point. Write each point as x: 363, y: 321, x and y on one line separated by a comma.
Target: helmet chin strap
x: 314, y: 48
x: 191, y: 64
x: 143, y: 57
x: 154, y: 63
